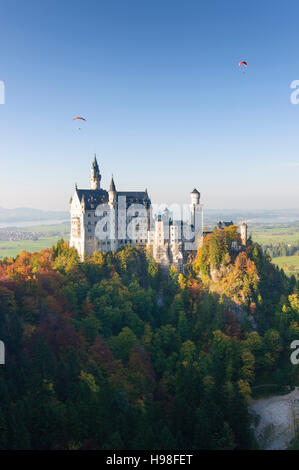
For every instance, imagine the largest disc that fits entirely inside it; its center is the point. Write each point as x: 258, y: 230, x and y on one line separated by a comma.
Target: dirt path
x: 277, y: 419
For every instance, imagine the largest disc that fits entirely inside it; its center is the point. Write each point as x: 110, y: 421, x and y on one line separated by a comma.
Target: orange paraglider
x: 79, y: 118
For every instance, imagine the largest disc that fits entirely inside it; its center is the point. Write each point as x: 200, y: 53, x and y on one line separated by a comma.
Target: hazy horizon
x: 209, y: 209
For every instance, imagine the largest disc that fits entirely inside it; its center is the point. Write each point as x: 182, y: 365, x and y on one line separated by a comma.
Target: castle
x: 104, y: 220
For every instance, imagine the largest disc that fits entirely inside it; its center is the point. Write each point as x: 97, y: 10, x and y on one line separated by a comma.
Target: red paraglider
x: 243, y: 65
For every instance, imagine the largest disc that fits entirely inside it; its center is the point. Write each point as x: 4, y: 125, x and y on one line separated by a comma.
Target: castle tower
x: 95, y: 176
x: 112, y: 193
x: 243, y: 233
x: 196, y: 218
x: 113, y: 215
x: 161, y: 243
x: 194, y: 206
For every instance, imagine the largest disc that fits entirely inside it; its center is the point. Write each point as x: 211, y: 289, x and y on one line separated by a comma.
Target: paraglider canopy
x: 243, y: 66
x: 78, y: 117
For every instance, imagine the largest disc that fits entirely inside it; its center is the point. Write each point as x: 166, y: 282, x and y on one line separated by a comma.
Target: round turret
x: 195, y: 197
x: 243, y: 233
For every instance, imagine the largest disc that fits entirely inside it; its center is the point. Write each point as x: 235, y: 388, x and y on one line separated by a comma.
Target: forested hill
x: 113, y: 354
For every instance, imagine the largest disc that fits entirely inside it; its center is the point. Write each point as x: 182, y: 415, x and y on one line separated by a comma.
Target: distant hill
x: 26, y: 214
x: 251, y: 216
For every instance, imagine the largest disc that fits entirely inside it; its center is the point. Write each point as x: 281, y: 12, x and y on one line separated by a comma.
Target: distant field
x: 267, y: 234
x: 48, y: 228
x: 287, y: 261
x: 12, y: 248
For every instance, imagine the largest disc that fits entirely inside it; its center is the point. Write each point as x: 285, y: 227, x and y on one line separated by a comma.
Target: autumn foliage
x: 111, y: 353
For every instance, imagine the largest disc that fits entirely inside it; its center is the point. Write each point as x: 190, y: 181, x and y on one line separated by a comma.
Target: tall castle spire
x: 112, y: 192
x: 112, y: 185
x: 95, y: 176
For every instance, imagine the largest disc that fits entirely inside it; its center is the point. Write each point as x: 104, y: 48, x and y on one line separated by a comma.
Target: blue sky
x: 167, y: 107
